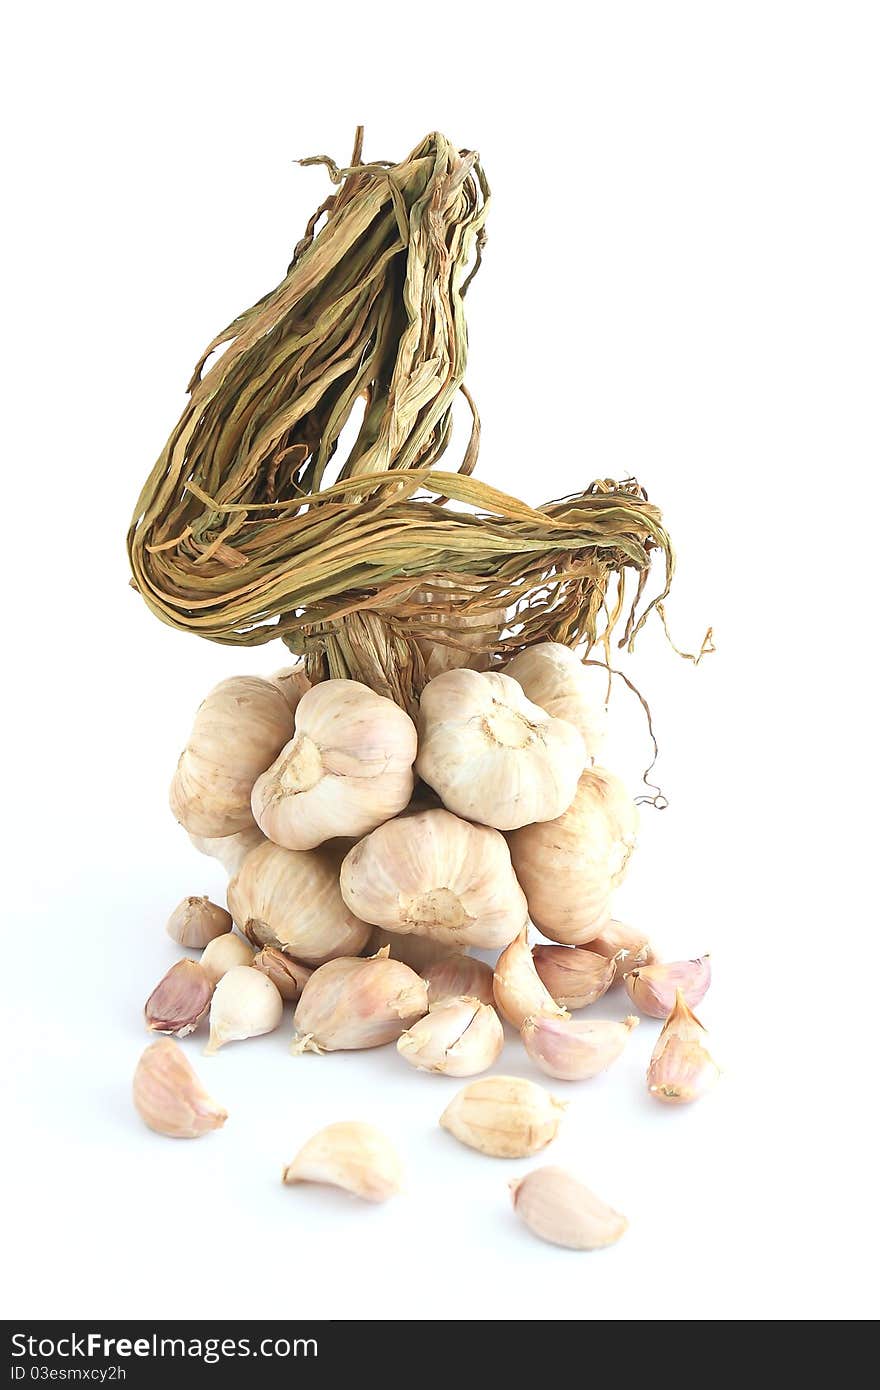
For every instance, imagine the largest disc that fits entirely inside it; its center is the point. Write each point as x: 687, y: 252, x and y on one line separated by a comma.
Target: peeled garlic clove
x: 652, y: 988
x: 460, y: 1037
x: 293, y: 683
x: 491, y: 754
x: 239, y: 728
x: 180, y: 1000
x: 574, y: 1049
x: 286, y: 974
x: 168, y: 1096
x: 223, y: 954
x: 574, y: 976
x: 438, y: 876
x: 196, y: 921
x: 518, y: 988
x: 630, y: 948
x: 229, y: 850
x: 559, y: 1209
x: 570, y: 867
x: 350, y: 1004
x: 454, y: 976
x: 291, y: 900
x: 504, y: 1116
x: 555, y: 678
x: 246, y: 1004
x: 356, y: 1157
x: 681, y: 1069
x: 347, y: 768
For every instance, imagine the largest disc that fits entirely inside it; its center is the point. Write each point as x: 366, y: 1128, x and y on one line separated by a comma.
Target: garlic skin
x: 465, y: 629
x: 223, y: 954
x: 575, y: 1049
x: 196, y: 921
x: 653, y: 988
x: 239, y: 728
x: 351, y: 1004
x: 287, y: 975
x: 347, y: 768
x: 435, y: 875
x: 180, y: 1000
x: 558, y: 1208
x: 353, y: 1156
x: 570, y: 867
x: 290, y: 899
x: 629, y: 947
x: 460, y: 1037
x: 246, y: 1004
x: 503, y: 1116
x: 573, y: 975
x: 555, y: 678
x: 450, y: 977
x: 519, y: 991
x: 681, y: 1070
x: 230, y: 850
x: 169, y: 1097
x: 293, y: 683
x: 492, y: 755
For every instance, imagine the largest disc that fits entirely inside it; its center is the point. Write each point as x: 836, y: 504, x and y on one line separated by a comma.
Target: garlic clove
x: 652, y: 988
x: 574, y: 976
x: 223, y: 954
x: 517, y: 986
x: 630, y: 947
x: 559, y: 1209
x: 349, y: 1004
x: 575, y: 1049
x: 168, y: 1096
x: 460, y: 1037
x: 180, y: 1000
x: 504, y: 1116
x: 681, y: 1070
x: 246, y: 1004
x: 286, y: 974
x: 350, y: 1155
x: 196, y: 921
x: 454, y: 976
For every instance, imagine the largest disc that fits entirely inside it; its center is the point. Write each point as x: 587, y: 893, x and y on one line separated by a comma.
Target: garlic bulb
x: 504, y: 1116
x: 196, y: 921
x: 653, y: 988
x: 349, y: 1004
x: 287, y: 975
x: 629, y: 947
x: 519, y: 991
x: 569, y: 867
x: 681, y: 1069
x: 556, y: 679
x: 224, y: 953
x: 230, y: 850
x: 293, y: 683
x: 437, y: 876
x: 417, y: 952
x: 454, y: 976
x: 574, y: 976
x: 239, y: 728
x: 291, y: 900
x: 180, y: 1000
x: 246, y: 1004
x: 347, y: 769
x: 460, y: 1037
x: 559, y: 1209
x: 169, y: 1097
x: 492, y: 755
x: 464, y: 630
x: 356, y: 1157
x: 574, y: 1049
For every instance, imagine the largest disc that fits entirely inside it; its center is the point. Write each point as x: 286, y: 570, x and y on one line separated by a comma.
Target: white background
x: 681, y: 283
